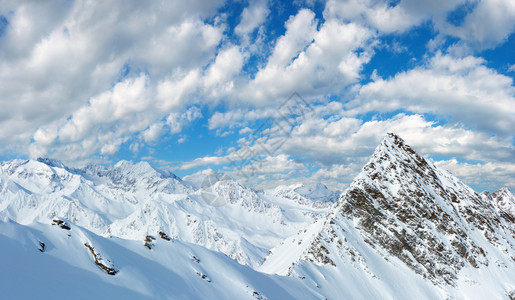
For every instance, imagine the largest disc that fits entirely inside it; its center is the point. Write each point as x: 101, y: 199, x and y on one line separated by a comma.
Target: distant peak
x: 123, y: 163
x: 505, y: 189
x: 142, y: 168
x: 139, y: 167
x: 502, y: 191
x: 51, y: 162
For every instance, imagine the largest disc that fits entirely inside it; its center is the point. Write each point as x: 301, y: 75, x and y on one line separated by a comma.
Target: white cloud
x: 299, y: 33
x: 486, y: 25
x: 153, y: 132
x: 203, y: 161
x: 489, y: 24
x: 252, y: 17
x: 336, y: 177
x: 462, y: 89
x: 218, y: 80
x: 339, y: 147
x: 310, y: 61
x: 74, y: 58
x: 172, y: 93
x: 267, y: 171
x: 96, y: 127
x: 177, y: 121
x: 484, y: 176
x: 347, y: 140
x: 238, y: 117
x: 126, y: 98
x: 387, y: 18
x: 182, y: 139
x: 80, y: 80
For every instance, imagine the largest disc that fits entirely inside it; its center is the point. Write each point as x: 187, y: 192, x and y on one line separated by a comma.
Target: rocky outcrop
x: 406, y: 207
x: 110, y: 270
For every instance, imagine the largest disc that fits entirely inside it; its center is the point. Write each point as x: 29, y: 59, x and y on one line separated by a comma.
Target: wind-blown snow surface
x: 404, y: 229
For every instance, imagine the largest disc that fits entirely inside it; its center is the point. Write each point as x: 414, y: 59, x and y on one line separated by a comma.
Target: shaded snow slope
x: 172, y: 269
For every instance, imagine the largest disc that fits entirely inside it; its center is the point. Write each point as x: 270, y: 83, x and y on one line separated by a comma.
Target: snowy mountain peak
x: 402, y: 219
x: 317, y: 192
x: 141, y: 168
x: 504, y: 200
x: 504, y: 194
x: 403, y: 209
x: 133, y: 200
x: 52, y: 162
x: 393, y: 149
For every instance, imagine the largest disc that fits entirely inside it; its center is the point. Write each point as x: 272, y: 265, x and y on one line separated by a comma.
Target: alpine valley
x: 404, y: 229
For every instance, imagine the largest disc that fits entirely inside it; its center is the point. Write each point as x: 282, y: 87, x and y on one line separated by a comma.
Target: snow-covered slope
x: 317, y: 192
x: 309, y: 195
x: 404, y: 220
x: 131, y: 201
x: 47, y: 262
x: 404, y: 229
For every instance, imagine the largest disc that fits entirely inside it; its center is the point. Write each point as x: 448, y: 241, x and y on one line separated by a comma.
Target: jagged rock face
x: 406, y: 207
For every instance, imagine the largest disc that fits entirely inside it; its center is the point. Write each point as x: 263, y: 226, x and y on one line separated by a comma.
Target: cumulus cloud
x: 485, y: 176
x: 487, y: 25
x: 153, y: 132
x: 387, y: 17
x: 252, y: 17
x: 484, y: 24
x: 240, y: 117
x: 203, y: 161
x: 218, y: 79
x: 176, y: 121
x: 79, y: 80
x: 100, y: 120
x: 311, y: 61
x: 338, y: 147
x: 347, y: 139
x: 336, y: 177
x: 66, y: 65
x: 462, y: 89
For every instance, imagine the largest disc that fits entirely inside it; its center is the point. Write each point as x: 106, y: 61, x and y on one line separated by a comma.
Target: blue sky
x: 198, y: 86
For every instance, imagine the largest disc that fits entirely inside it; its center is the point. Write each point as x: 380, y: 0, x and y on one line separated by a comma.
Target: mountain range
x: 404, y: 228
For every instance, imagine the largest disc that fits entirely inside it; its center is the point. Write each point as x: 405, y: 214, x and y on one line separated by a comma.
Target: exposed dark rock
x: 203, y: 276
x: 98, y: 261
x: 148, y: 242
x: 405, y: 205
x: 61, y: 224
x: 164, y: 236
x: 41, y: 247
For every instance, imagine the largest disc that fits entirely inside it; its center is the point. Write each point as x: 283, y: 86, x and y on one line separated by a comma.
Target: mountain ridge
x: 402, y: 219
x: 132, y: 201
x: 406, y: 209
